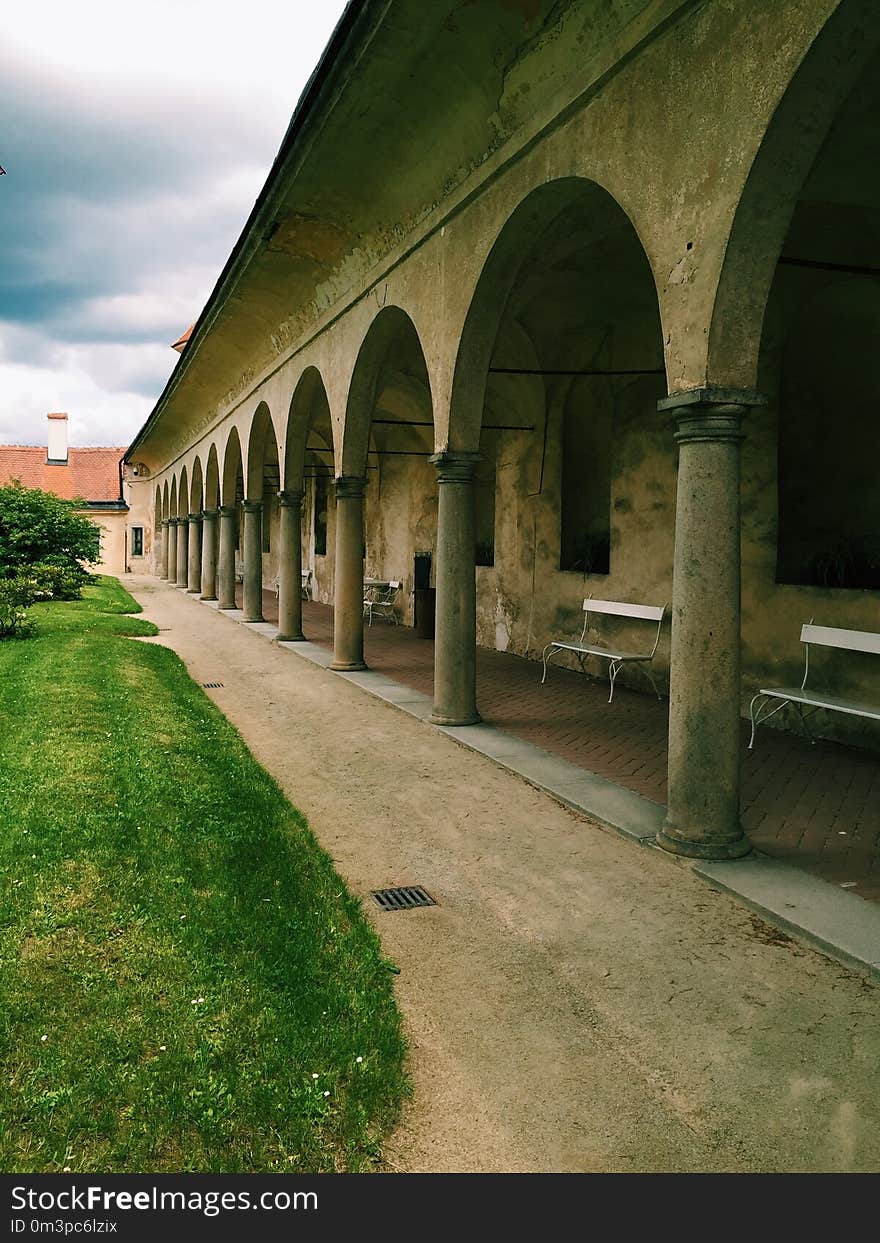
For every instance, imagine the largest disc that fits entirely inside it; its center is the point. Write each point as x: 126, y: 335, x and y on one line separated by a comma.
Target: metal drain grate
x: 212, y: 686
x: 403, y: 898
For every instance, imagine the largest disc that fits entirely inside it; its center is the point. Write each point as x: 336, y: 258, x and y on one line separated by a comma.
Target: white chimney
x: 57, y: 450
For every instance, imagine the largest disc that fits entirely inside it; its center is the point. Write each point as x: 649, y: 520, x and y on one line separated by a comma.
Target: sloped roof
x: 182, y: 339
x: 90, y: 474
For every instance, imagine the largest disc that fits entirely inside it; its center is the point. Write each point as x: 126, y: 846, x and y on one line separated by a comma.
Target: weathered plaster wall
x: 649, y: 101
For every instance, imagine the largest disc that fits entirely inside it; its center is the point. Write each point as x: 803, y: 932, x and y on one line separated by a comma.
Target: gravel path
x: 574, y: 1002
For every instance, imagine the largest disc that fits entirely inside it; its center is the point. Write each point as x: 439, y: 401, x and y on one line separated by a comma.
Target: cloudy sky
x: 135, y: 137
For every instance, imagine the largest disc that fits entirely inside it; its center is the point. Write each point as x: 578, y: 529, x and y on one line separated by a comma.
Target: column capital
x: 352, y: 486
x: 454, y: 467
x: 252, y: 507
x: 172, y: 522
x: 196, y: 517
x: 290, y: 497
x: 210, y: 514
x: 226, y: 511
x: 710, y: 413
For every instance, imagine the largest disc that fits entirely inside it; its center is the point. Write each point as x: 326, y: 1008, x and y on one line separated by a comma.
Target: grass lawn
x: 185, y: 983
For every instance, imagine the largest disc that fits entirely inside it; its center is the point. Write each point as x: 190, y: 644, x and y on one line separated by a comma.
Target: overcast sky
x: 135, y: 137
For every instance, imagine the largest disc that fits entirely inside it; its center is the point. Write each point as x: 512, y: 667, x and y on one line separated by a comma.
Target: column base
x: 438, y: 718
x: 291, y: 638
x: 677, y: 843
x: 258, y: 618
x: 227, y: 607
x: 192, y: 591
x: 346, y: 666
x: 204, y: 597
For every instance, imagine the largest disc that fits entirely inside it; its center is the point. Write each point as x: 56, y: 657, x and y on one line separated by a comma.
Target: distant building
x: 93, y: 475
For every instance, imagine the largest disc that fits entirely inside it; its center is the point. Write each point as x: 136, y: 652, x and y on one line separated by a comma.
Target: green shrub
x: 58, y: 582
x: 37, y: 527
x: 16, y: 594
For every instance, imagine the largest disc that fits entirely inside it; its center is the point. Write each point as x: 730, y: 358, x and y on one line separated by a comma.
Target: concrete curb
x: 830, y: 919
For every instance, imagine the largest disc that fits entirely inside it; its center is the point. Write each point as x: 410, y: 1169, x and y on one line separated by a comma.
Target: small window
x: 137, y: 541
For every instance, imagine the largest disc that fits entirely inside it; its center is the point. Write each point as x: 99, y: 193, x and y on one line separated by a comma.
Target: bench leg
x: 613, y: 670
x: 649, y: 675
x: 545, y: 657
x: 755, y: 714
x: 803, y: 716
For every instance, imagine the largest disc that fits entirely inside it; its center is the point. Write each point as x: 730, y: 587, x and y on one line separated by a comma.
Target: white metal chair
x: 616, y: 657
x: 380, y: 598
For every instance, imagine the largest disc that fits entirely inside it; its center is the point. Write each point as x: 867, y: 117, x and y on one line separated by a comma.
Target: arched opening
x: 212, y: 480
x: 228, y: 539
x: 171, y: 529
x: 386, y: 496
x: 389, y: 437
x: 158, y: 534
x: 195, y: 489
x: 811, y: 529
x: 308, y: 468
x: 232, y: 492
x: 183, y: 495
x: 559, y: 371
x: 182, y: 530
x: 263, y: 484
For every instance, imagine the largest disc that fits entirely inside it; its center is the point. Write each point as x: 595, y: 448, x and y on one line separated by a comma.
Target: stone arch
x: 212, y: 479
x: 261, y: 447
x: 391, y: 337
x: 309, y: 409
x: 232, y: 469
x: 196, y: 493
x: 845, y: 49
x: 542, y: 213
x: 158, y: 514
x: 171, y: 511
x: 183, y: 495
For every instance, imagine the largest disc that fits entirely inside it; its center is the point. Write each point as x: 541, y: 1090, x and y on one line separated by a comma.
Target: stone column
x: 171, y: 559
x: 455, y: 641
x: 194, y: 555
x: 166, y: 546
x: 290, y: 567
x: 209, y: 554
x: 702, y: 818
x: 253, y: 561
x: 161, y: 549
x: 348, y: 611
x: 226, y: 558
x: 183, y: 542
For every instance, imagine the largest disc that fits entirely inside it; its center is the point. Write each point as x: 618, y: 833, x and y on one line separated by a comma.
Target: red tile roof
x: 182, y: 339
x: 90, y: 474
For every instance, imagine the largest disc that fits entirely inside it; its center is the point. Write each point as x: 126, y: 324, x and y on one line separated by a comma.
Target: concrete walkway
x: 574, y: 1002
x: 817, y: 806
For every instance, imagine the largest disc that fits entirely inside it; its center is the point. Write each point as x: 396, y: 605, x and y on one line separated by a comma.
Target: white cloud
x: 140, y: 138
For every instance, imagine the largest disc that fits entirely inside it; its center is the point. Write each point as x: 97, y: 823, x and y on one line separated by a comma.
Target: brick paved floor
x: 816, y: 805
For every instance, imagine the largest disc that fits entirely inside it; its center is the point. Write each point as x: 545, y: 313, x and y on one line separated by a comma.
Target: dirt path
x: 574, y: 1002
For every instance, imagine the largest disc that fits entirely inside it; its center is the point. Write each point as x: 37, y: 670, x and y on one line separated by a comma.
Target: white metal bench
x: 305, y: 587
x: 380, y: 597
x: 806, y: 701
x: 617, y: 658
